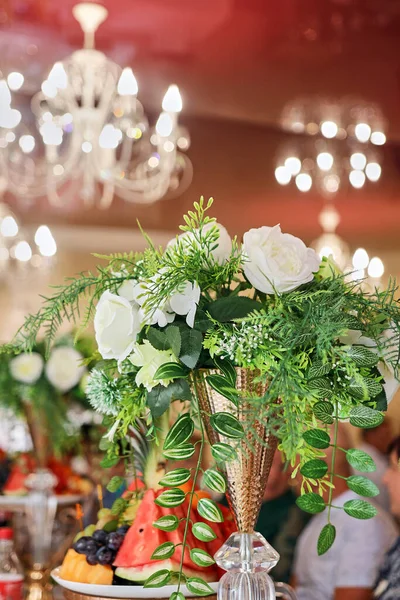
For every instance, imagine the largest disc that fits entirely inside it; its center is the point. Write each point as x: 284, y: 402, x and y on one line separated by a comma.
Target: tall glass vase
x: 246, y: 555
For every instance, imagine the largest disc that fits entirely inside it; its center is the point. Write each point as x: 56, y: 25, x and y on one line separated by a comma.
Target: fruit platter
x: 15, y: 476
x: 114, y: 557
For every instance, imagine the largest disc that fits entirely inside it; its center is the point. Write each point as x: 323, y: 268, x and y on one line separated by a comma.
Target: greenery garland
x: 326, y: 348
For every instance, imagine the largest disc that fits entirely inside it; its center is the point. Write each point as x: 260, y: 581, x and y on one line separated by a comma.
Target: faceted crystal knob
x: 246, y: 552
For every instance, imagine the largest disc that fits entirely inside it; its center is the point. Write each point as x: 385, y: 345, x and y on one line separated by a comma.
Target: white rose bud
x: 116, y: 323
x: 64, y: 369
x: 276, y: 261
x: 27, y: 367
x: 223, y: 249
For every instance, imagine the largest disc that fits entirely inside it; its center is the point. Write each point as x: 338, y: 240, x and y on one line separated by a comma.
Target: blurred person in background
x: 349, y: 569
x: 281, y: 521
x: 375, y: 442
x: 388, y: 582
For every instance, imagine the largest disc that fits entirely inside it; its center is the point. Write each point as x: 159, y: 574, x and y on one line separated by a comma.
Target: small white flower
x: 220, y: 254
x: 111, y: 433
x: 27, y: 367
x: 116, y: 323
x: 126, y: 290
x: 160, y: 316
x: 276, y: 261
x: 185, y: 301
x: 150, y: 360
x: 64, y: 369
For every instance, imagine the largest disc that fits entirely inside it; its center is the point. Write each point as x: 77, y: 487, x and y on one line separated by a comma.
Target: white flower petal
x: 116, y: 325
x: 27, y: 367
x: 64, y: 369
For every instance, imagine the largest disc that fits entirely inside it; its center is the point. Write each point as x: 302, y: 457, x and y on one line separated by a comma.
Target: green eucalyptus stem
x: 193, y: 490
x: 332, y: 472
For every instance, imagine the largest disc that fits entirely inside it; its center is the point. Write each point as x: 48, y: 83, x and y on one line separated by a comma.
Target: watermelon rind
x: 142, y: 573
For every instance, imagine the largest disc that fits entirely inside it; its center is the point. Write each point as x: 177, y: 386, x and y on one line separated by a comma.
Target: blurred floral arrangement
x: 36, y: 386
x: 168, y: 323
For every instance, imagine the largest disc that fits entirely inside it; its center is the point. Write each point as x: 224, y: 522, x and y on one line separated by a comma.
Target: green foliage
x: 360, y: 460
x: 362, y: 486
x: 360, y: 509
x: 326, y: 538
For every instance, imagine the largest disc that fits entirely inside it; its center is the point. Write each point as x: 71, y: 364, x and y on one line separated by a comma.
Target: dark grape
x: 115, y: 540
x: 91, y: 547
x: 100, y: 536
x: 105, y: 556
x: 81, y: 544
x: 123, y: 529
x: 91, y: 559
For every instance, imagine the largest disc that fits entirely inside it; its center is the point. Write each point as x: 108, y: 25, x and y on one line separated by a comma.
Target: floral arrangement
x: 327, y: 350
x: 33, y: 379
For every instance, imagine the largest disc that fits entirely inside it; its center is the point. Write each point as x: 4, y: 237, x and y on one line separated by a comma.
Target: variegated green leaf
x: 227, y: 425
x: 175, y: 478
x: 171, y: 370
x: 201, y: 557
x: 198, y: 586
x: 177, y: 596
x: 203, y: 532
x: 215, y: 481
x: 209, y: 510
x: 180, y: 432
x: 163, y: 551
x: 167, y: 523
x: 158, y: 579
x: 365, y: 417
x: 223, y: 452
x: 171, y: 498
x: 182, y: 452
x: 362, y: 356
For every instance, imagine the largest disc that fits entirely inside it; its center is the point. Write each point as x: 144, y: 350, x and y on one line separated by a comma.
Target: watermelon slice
x: 133, y: 560
x: 142, y: 538
x: 15, y: 485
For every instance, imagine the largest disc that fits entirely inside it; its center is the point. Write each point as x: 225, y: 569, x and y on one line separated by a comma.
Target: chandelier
x: 358, y: 265
x: 341, y: 146
x: 89, y: 135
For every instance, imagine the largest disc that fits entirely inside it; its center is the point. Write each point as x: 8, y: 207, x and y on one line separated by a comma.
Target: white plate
x: 19, y: 503
x: 120, y: 591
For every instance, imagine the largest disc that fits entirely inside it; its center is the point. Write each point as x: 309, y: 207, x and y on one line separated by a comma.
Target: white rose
x: 27, y: 367
x: 64, y: 369
x: 150, y: 360
x: 276, y: 261
x: 185, y: 301
x: 116, y: 325
x: 223, y: 248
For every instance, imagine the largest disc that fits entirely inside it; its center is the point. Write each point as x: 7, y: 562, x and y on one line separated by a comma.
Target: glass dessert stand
x: 34, y: 541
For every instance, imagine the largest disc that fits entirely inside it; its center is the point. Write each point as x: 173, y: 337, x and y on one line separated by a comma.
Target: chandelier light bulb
x: 48, y: 89
x: 42, y: 235
x: 362, y: 132
x: 110, y: 137
x: 357, y: 179
x: 5, y: 95
x: 51, y: 133
x: 293, y: 165
x: 325, y: 252
x: 373, y: 171
x: 331, y: 183
x: 329, y: 129
x: 172, y: 101
x: 164, y: 125
x: 283, y: 175
x: 23, y: 251
x: 9, y: 118
x: 26, y: 143
x: 378, y: 138
x: 58, y: 76
x: 15, y: 81
x: 325, y: 161
x: 376, y: 268
x: 303, y: 182
x: 360, y: 259
x: 358, y: 160
x: 9, y: 227
x: 127, y: 84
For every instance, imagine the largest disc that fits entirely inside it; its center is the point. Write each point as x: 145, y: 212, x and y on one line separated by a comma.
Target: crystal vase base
x: 247, y: 558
